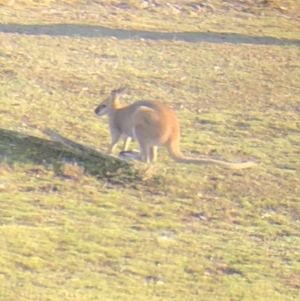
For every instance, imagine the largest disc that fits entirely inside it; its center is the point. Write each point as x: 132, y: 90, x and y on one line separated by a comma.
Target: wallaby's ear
x: 119, y: 91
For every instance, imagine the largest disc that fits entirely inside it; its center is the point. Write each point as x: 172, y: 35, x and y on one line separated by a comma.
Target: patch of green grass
x: 201, y: 233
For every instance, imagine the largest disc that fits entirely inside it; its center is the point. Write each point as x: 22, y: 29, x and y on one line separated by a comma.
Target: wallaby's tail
x: 217, y: 162
x: 177, y: 156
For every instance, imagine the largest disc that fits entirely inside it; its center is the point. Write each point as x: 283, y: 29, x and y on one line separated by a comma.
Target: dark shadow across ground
x: 91, y: 31
x: 26, y: 149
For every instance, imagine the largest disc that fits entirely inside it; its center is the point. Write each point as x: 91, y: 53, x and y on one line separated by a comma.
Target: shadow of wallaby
x: 23, y: 148
x: 93, y: 31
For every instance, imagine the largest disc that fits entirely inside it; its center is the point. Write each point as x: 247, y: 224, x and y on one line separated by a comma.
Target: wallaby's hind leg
x: 144, y: 149
x: 144, y: 152
x: 143, y: 120
x: 151, y: 154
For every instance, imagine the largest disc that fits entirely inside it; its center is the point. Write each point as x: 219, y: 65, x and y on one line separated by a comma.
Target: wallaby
x: 151, y: 124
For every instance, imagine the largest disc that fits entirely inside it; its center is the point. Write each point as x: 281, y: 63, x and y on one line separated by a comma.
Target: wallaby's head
x: 111, y: 102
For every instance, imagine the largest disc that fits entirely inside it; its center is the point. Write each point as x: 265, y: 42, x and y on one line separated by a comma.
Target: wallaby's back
x: 155, y: 120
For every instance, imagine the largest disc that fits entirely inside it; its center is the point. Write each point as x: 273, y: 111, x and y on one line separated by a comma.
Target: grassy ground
x: 273, y: 18
x: 200, y: 233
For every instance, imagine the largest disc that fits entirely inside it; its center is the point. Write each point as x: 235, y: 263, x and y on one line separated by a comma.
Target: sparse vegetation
x: 75, y: 229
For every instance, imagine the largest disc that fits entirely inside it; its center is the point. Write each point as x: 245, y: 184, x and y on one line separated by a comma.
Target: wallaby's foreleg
x: 127, y: 141
x: 153, y: 153
x: 114, y: 141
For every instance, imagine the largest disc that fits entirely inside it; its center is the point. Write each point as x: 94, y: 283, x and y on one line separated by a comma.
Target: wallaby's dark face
x: 103, y: 108
x: 109, y: 102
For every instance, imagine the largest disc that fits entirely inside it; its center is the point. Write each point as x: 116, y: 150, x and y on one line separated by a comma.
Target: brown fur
x: 151, y: 124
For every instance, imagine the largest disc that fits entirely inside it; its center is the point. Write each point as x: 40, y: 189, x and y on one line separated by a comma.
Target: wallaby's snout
x: 101, y: 110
